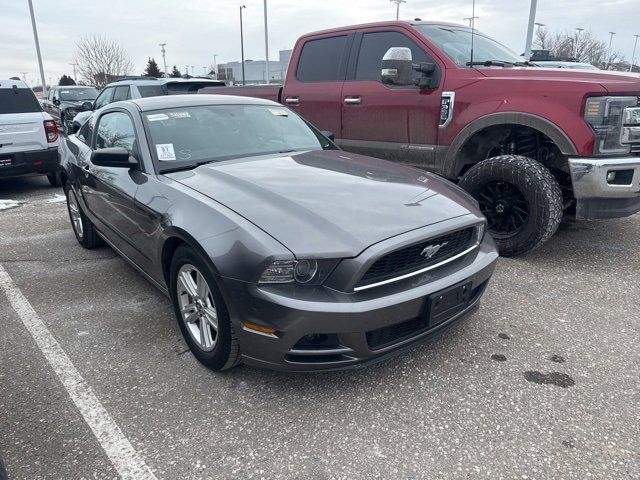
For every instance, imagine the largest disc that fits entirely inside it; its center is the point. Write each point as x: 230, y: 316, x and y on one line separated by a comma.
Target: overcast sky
x: 196, y: 29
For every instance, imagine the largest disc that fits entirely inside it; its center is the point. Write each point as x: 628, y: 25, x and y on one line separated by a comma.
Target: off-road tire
x: 538, y: 186
x: 226, y: 353
x: 89, y: 237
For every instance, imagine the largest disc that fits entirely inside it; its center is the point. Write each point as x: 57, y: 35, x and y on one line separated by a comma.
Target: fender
x: 449, y: 164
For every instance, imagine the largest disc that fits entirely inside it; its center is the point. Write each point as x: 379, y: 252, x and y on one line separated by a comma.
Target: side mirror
x: 328, y: 134
x: 397, y: 66
x: 116, y: 157
x: 87, y: 106
x: 56, y: 101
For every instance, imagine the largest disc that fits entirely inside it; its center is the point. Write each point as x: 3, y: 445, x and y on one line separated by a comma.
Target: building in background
x: 254, y: 70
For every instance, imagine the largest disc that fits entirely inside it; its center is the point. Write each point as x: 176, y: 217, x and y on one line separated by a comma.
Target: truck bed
x: 268, y: 92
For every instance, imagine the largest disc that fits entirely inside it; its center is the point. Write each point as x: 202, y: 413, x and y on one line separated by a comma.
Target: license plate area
x: 447, y: 303
x: 6, y: 161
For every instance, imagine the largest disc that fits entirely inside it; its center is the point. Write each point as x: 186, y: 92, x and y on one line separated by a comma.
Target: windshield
x: 455, y: 42
x: 190, y: 136
x: 77, y: 94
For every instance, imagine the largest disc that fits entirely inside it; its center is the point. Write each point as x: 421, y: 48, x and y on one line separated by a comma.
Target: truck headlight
x: 303, y: 272
x: 606, y: 115
x: 71, y: 112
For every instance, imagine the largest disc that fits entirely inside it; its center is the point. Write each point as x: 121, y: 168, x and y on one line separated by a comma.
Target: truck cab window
x: 375, y: 45
x: 321, y: 60
x: 104, y: 98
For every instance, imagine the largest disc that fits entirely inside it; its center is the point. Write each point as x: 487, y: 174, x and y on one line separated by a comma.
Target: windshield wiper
x: 491, y: 63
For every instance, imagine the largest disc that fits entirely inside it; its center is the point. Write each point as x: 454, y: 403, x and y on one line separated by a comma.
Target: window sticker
x: 65, y: 91
x: 165, y: 151
x: 179, y: 114
x: 157, y: 116
x: 279, y: 112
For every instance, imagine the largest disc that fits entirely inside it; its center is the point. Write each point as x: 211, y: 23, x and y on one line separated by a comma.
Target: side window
x: 104, y: 98
x: 83, y: 134
x: 375, y: 45
x: 115, y: 129
x: 321, y: 60
x: 121, y: 93
x: 51, y: 93
x: 56, y: 94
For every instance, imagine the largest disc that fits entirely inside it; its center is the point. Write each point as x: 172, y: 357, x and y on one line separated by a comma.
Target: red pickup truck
x: 530, y: 144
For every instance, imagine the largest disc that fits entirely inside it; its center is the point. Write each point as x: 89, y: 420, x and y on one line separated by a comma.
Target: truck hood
x: 73, y: 104
x: 604, y: 81
x: 328, y: 203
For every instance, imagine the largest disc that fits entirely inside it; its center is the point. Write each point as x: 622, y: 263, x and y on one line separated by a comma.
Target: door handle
x: 292, y: 101
x: 353, y: 100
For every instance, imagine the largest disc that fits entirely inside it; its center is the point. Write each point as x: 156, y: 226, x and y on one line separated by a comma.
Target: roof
x: 386, y: 24
x: 10, y: 83
x: 179, y: 101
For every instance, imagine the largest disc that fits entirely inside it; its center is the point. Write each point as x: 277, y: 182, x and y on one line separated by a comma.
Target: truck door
x: 395, y: 122
x: 314, y: 89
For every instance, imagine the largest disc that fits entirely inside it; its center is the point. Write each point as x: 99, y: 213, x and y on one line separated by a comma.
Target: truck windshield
x: 455, y: 42
x: 77, y: 94
x: 18, y: 100
x: 189, y: 136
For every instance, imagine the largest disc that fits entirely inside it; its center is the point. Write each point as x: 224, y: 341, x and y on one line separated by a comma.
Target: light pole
x: 609, y: 51
x: 242, y: 43
x: 266, y: 43
x: 164, y: 58
x: 35, y: 39
x: 215, y: 65
x: 204, y: 71
x: 192, y: 73
x: 578, y: 32
x: 74, y: 71
x: 398, y: 2
x: 532, y: 20
x: 633, y: 56
x: 186, y: 68
x: 472, y: 21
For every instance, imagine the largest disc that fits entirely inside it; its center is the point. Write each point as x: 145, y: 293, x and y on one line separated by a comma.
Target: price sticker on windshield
x: 165, y: 151
x: 279, y: 112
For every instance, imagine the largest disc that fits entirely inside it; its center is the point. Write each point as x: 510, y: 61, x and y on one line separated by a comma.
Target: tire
x: 54, y: 179
x: 224, y: 353
x: 83, y: 229
x: 66, y: 127
x: 521, y: 199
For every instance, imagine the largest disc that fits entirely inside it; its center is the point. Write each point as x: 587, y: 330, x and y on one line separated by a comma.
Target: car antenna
x: 473, y: 29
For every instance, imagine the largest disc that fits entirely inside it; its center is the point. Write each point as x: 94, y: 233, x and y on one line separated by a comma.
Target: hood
x: 75, y: 103
x: 590, y: 80
x: 328, y: 203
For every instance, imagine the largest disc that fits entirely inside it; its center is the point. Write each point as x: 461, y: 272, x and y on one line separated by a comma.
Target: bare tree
x: 100, y: 60
x: 581, y: 46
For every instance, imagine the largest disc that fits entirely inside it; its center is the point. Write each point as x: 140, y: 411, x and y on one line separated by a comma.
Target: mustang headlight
x: 304, y: 271
x: 606, y: 115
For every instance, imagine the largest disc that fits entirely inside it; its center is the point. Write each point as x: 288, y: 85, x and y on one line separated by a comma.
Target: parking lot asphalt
x: 543, y: 383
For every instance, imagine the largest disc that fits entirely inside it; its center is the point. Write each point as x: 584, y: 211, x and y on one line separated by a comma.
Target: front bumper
x: 36, y: 161
x: 599, y: 197
x: 347, y: 317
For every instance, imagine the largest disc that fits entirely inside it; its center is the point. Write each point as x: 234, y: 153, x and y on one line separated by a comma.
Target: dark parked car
x: 64, y: 103
x: 275, y: 247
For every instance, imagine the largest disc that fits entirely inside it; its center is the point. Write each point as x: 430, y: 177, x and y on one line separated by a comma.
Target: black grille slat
x: 410, y: 259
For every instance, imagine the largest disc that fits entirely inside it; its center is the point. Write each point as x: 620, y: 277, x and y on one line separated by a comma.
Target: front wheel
x: 521, y: 199
x: 83, y: 229
x: 201, y: 311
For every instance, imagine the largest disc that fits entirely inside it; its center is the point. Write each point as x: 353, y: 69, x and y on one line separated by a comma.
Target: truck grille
x: 416, y: 257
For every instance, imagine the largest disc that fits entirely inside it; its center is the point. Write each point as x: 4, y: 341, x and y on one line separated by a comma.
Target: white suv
x: 28, y: 136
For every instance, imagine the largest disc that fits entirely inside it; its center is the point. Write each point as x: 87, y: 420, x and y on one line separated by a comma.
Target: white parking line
x: 125, y: 459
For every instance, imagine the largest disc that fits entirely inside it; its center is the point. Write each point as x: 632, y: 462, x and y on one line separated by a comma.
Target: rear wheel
x: 201, y: 311
x: 521, y: 199
x: 54, y: 179
x: 83, y: 229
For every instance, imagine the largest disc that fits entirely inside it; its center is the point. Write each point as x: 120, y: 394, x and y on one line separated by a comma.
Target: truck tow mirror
x: 429, y: 78
x: 397, y: 66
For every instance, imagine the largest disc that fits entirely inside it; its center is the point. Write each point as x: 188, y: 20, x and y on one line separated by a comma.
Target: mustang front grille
x: 417, y: 257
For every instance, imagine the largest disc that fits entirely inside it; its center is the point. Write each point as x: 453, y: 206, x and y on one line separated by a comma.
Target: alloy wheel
x: 74, y: 213
x: 505, y: 207
x: 197, y: 307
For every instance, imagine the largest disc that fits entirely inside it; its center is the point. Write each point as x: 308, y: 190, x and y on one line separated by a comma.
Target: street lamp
x: 609, y: 51
x: 164, y: 58
x: 215, y: 65
x: 35, y: 38
x: 578, y: 32
x: 74, y: 71
x: 472, y: 21
x: 242, y: 43
x: 398, y: 2
x: 633, y: 56
x: 266, y: 43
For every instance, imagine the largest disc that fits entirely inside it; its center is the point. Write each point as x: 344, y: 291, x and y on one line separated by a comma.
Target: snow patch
x: 7, y: 204
x: 57, y: 198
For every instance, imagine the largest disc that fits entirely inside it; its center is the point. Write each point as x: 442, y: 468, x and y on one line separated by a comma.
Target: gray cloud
x: 196, y: 29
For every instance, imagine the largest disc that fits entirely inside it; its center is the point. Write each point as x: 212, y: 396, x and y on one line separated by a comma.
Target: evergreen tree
x: 175, y: 73
x: 152, y: 69
x: 66, y: 80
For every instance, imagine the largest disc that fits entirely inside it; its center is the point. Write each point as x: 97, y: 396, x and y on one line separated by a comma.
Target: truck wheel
x: 54, y: 179
x: 521, y: 199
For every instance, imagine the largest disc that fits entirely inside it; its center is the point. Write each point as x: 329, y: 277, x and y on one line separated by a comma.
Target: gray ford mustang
x: 275, y: 247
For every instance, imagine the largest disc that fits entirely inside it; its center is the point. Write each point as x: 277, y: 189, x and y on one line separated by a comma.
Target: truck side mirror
x: 56, y: 101
x: 429, y: 78
x: 397, y: 66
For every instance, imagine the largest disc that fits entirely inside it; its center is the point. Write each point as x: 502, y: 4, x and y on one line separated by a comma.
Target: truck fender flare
x: 551, y: 130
